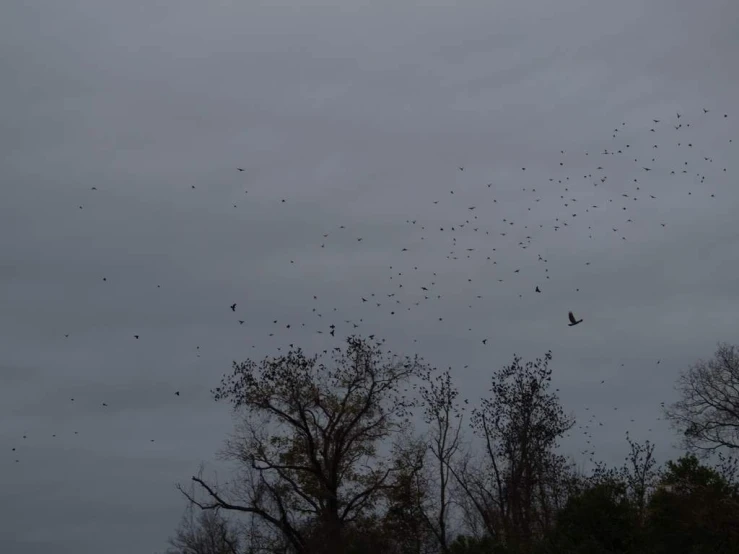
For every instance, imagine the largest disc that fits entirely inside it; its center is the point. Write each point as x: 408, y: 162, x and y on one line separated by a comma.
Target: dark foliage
x: 332, y: 459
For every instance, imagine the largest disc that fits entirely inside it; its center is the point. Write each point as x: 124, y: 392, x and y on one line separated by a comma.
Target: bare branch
x: 707, y: 413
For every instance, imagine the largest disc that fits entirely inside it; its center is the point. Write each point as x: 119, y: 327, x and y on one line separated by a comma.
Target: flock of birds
x: 695, y: 174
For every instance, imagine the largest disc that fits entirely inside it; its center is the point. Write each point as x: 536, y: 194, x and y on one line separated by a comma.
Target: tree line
x: 361, y: 451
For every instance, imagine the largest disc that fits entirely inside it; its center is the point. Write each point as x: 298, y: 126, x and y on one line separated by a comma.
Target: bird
x: 233, y: 307
x: 240, y: 169
x: 573, y: 321
x: 537, y: 289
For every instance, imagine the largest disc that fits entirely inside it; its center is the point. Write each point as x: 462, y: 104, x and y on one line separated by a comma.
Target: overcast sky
x: 357, y: 115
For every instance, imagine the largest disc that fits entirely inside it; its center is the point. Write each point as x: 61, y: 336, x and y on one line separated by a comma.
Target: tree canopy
x: 361, y: 451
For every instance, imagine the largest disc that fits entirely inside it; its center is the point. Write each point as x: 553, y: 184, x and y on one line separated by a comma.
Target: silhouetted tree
x: 475, y: 545
x: 639, y: 474
x: 208, y: 533
x: 600, y: 519
x: 707, y: 413
x: 407, y: 500
x: 330, y: 463
x: 694, y: 511
x: 308, y: 441
x: 519, y: 425
x: 443, y: 415
x: 420, y: 502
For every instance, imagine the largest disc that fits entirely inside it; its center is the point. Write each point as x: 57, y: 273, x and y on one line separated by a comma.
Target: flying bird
x: 233, y: 307
x: 573, y: 321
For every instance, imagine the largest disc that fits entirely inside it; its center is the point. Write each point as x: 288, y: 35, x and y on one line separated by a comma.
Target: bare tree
x: 405, y: 518
x: 308, y: 441
x: 640, y: 475
x: 519, y: 425
x: 557, y: 481
x: 707, y: 413
x: 443, y: 415
x: 728, y: 468
x: 208, y: 533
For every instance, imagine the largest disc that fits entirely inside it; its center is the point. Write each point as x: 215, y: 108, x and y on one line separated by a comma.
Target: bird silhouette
x: 573, y: 321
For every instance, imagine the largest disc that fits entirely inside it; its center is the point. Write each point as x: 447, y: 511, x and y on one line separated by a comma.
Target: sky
x: 350, y: 120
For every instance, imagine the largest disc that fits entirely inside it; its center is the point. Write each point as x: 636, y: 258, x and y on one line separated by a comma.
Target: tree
x: 707, y: 413
x: 208, y: 533
x: 510, y: 490
x: 694, y: 510
x: 600, y: 519
x: 639, y: 474
x: 472, y: 545
x: 420, y: 504
x: 308, y: 442
x: 406, y: 516
x: 442, y: 413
